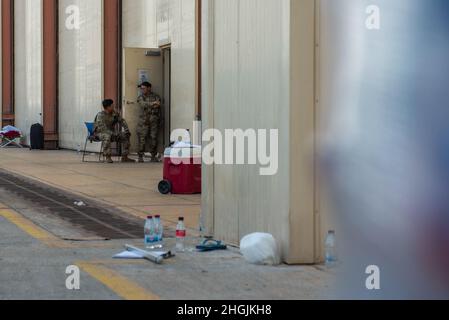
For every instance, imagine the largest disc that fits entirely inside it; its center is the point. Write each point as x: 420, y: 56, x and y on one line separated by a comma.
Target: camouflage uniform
x: 105, y: 129
x: 149, y: 122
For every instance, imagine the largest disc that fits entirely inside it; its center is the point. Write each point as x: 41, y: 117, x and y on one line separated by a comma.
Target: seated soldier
x: 106, y: 130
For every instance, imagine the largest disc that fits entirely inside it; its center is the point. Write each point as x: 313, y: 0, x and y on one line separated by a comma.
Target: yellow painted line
x: 119, y: 284
x: 32, y: 229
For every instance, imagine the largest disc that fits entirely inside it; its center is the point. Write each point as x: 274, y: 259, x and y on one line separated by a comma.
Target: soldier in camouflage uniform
x: 105, y: 129
x: 149, y: 122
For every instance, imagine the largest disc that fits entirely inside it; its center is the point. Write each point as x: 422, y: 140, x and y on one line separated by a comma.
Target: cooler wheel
x: 164, y: 187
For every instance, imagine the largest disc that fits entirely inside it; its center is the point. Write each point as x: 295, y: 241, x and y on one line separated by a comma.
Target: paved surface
x: 34, y: 256
x: 93, y: 219
x: 129, y: 187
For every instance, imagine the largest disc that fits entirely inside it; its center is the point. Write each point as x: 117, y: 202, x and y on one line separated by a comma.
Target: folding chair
x: 93, y: 139
x: 10, y: 139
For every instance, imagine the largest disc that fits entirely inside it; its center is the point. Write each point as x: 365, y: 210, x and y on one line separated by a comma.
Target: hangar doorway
x: 154, y: 66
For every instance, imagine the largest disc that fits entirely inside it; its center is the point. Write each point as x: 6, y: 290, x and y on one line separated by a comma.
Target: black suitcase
x: 37, y: 137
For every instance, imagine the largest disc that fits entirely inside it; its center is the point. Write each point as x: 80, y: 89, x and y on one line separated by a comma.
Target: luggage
x: 37, y: 137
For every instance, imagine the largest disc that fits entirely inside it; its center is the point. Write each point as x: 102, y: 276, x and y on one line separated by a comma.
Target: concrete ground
x: 129, y: 187
x: 33, y: 258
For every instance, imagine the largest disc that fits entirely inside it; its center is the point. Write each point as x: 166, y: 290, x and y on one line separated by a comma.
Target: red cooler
x: 182, y: 171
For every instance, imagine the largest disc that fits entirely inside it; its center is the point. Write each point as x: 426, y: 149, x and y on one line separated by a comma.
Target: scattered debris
x: 79, y: 203
x: 136, y: 253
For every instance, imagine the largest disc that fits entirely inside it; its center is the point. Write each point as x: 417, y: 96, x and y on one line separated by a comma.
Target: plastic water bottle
x: 331, y: 251
x: 149, y: 231
x: 158, y: 230
x: 180, y: 235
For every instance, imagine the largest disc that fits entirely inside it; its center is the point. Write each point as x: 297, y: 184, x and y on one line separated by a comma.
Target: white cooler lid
x: 183, y: 152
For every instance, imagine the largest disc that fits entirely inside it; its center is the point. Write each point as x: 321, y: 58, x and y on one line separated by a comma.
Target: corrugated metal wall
x: 80, y: 71
x: 252, y: 91
x: 139, y: 24
x: 151, y: 23
x: 28, y: 63
x: 80, y: 64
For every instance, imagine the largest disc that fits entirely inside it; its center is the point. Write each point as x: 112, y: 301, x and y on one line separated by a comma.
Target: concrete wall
x: 80, y: 71
x: 28, y: 64
x: 152, y: 23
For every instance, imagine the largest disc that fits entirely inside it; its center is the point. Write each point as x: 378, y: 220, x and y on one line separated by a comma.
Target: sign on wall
x: 143, y: 76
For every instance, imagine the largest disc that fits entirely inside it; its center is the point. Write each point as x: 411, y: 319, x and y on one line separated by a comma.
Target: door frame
x: 167, y: 108
x: 207, y: 111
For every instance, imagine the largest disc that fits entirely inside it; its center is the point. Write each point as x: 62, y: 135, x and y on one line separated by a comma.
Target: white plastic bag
x: 260, y: 249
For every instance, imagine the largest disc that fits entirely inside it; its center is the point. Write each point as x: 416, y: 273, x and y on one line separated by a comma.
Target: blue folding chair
x: 93, y: 139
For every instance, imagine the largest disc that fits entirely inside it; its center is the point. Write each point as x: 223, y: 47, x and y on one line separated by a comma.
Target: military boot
x: 108, y: 159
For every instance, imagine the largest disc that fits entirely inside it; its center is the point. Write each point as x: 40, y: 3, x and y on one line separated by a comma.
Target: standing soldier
x: 105, y: 128
x: 149, y: 122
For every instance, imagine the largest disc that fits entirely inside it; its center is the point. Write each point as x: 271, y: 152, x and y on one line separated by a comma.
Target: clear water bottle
x: 158, y: 230
x: 149, y: 231
x: 331, y: 250
x: 180, y: 235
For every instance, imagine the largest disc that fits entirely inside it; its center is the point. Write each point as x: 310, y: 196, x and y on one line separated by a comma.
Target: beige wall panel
x: 182, y: 31
x: 139, y: 24
x: 80, y: 71
x: 226, y: 213
x: 263, y: 77
x: 28, y: 64
x: 303, y: 219
x: 251, y: 91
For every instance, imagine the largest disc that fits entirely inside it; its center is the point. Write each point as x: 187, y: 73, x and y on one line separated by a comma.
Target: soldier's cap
x: 145, y: 84
x: 108, y: 103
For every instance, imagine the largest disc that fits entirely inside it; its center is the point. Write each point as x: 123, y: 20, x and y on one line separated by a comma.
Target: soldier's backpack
x: 37, y: 137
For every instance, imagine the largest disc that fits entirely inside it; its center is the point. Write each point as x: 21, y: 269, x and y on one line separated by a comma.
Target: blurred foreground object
x: 385, y: 146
